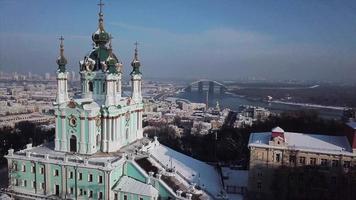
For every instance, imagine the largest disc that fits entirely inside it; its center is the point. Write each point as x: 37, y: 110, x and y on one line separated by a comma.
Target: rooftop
x: 195, y: 171
x: 305, y: 142
x: 130, y: 185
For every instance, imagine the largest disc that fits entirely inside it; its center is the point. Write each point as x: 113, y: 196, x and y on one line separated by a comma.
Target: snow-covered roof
x: 352, y: 125
x: 234, y: 177
x: 306, y: 142
x: 130, y: 185
x: 204, y: 175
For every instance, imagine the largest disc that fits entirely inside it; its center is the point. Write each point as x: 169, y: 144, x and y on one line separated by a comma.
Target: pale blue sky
x: 220, y: 39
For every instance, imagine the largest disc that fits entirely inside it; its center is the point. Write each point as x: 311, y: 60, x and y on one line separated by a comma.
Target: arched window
x: 90, y: 84
x: 73, y: 144
x: 104, y: 87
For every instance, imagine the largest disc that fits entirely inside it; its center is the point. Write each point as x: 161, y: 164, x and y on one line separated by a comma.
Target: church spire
x: 101, y: 15
x: 61, y: 60
x: 136, y: 62
x: 100, y: 37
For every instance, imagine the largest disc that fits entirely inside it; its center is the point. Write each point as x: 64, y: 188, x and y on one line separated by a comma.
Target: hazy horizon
x: 274, y: 40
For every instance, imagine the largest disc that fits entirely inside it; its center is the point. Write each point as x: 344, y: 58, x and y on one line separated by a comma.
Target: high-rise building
x: 99, y: 151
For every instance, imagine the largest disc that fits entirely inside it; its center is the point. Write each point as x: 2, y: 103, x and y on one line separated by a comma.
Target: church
x: 99, y: 151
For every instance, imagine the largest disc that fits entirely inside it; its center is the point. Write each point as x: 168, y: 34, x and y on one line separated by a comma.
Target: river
x: 234, y: 101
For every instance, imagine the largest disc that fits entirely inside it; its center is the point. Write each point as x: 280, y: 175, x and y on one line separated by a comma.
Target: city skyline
x: 201, y: 39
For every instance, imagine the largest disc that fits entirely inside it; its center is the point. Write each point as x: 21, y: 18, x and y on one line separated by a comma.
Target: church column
x: 117, y: 131
x: 82, y: 145
x: 57, y: 139
x: 109, y: 132
x: 91, y: 135
x: 63, y: 133
x: 113, y: 133
x: 103, y: 140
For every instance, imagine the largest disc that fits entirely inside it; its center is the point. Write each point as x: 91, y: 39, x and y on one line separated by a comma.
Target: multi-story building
x: 276, y: 151
x: 99, y: 151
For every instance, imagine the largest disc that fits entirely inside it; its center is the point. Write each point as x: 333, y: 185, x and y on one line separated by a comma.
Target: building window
x: 335, y: 163
x: 259, y: 174
x: 33, y: 169
x: 323, y: 162
x: 100, y: 179
x: 71, y: 190
x: 292, y: 159
x: 100, y: 195
x: 16, y: 182
x: 278, y: 157
x: 313, y: 161
x: 81, y: 192
x: 347, y: 164
x: 43, y: 186
x: 259, y: 186
x: 141, y: 198
x: 24, y: 168
x: 90, y: 178
x: 125, y: 197
x: 116, y: 196
x: 104, y: 87
x: 302, y: 160
x: 80, y: 176
x: 33, y: 184
x: 90, y: 194
x: 25, y: 183
x: 42, y: 170
x: 56, y: 172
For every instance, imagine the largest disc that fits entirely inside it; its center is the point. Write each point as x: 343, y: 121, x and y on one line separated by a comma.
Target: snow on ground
x: 204, y: 175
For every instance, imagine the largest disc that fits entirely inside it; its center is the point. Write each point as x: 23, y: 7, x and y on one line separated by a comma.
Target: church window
x: 15, y: 167
x: 43, y: 186
x: 16, y: 182
x: 33, y: 184
x: 56, y: 172
x: 90, y: 178
x: 71, y: 190
x: 100, y: 195
x: 24, y: 167
x: 116, y: 196
x: 141, y: 198
x: 80, y: 192
x: 125, y: 197
x: 97, y: 140
x: 33, y: 169
x: 90, y: 84
x: 25, y: 183
x: 80, y: 176
x: 323, y: 162
x: 90, y: 194
x: 100, y: 179
x: 104, y: 87
x: 71, y: 175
